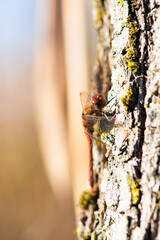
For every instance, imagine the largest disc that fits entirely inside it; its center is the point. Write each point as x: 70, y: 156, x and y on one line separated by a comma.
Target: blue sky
x: 17, y: 24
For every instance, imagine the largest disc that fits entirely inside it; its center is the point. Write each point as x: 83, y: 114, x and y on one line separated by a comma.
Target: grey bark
x: 127, y: 174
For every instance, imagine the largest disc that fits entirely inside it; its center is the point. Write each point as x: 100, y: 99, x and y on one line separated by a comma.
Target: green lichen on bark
x: 130, y: 99
x: 126, y: 183
x: 135, y: 190
x: 88, y: 197
x: 85, y: 199
x: 132, y: 56
x: 121, y: 1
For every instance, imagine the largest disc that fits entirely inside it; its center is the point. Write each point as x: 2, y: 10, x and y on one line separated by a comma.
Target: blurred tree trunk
x: 75, y: 51
x: 128, y: 203
x: 51, y: 113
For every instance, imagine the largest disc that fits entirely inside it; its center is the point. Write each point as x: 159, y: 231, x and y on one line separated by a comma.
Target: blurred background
x: 47, y: 50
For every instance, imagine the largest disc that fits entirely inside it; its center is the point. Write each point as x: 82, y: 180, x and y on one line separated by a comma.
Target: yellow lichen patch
x: 121, y: 1
x: 135, y: 195
x: 134, y: 5
x: 134, y: 66
x: 131, y: 56
x: 135, y: 190
x: 129, y: 99
x: 145, y: 106
x: 158, y: 200
x: 93, y: 236
x: 85, y: 199
x: 86, y: 238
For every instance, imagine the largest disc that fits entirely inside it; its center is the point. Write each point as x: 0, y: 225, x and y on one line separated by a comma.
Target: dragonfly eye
x: 99, y: 100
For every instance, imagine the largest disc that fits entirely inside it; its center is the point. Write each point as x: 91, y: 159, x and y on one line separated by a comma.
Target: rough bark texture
x: 125, y: 202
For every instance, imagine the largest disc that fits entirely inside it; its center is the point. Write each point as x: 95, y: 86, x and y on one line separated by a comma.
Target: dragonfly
x: 94, y: 115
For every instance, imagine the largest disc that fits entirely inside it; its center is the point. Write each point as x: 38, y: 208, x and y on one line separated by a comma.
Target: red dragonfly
x: 92, y: 114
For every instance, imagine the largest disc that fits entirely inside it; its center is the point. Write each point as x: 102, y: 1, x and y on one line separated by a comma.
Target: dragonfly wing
x: 98, y: 118
x: 84, y: 97
x: 93, y: 136
x: 102, y: 123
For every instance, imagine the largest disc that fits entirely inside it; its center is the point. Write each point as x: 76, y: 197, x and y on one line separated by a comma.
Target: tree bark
x: 127, y: 199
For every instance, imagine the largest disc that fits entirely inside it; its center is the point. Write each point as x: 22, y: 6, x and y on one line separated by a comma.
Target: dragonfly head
x: 99, y: 101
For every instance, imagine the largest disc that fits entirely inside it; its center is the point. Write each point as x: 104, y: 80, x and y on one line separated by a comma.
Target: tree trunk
x: 126, y: 203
